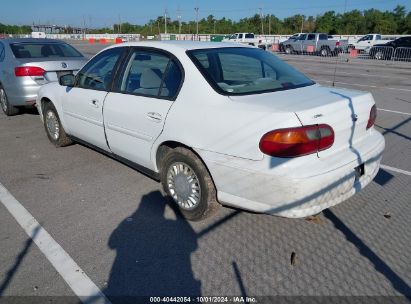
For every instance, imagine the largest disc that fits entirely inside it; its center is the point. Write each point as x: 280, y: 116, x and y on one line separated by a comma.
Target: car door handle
x: 95, y: 103
x: 154, y: 116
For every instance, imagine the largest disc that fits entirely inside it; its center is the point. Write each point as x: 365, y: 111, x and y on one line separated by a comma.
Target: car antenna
x: 335, y: 68
x: 338, y: 53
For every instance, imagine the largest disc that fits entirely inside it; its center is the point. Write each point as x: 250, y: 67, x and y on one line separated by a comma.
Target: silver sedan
x: 27, y: 64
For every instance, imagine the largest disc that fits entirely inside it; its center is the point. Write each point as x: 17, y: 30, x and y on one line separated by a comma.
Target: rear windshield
x: 43, y: 50
x: 243, y: 71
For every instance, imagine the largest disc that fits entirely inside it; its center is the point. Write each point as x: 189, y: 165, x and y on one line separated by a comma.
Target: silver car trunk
x: 54, y: 67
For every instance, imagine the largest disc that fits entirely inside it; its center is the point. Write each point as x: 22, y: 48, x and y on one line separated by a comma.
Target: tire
x: 325, y: 52
x: 5, y: 105
x: 379, y: 55
x: 289, y: 50
x: 196, y: 199
x: 54, y: 130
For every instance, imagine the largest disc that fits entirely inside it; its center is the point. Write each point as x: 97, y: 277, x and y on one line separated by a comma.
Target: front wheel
x: 288, y: 50
x: 186, y: 180
x: 54, y: 129
x: 379, y: 55
x: 7, y: 108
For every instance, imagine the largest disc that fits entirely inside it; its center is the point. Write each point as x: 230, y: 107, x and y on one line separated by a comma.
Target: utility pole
x: 196, y: 9
x: 262, y: 21
x: 269, y: 24
x: 302, y: 23
x: 179, y: 23
x: 165, y: 21
x: 215, y: 21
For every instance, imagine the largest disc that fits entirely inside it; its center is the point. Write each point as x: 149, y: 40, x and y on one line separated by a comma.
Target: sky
x: 94, y: 13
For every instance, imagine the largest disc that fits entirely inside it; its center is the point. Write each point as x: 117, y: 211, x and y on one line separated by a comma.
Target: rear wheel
x: 54, y: 129
x: 186, y: 180
x: 289, y: 49
x: 325, y: 52
x: 7, y: 108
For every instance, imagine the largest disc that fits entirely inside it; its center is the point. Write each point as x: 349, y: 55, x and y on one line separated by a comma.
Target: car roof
x: 179, y: 45
x: 29, y: 40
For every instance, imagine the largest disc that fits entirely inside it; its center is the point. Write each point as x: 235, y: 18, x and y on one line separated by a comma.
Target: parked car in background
x: 219, y: 122
x: 398, y: 49
x: 249, y: 39
x: 367, y: 42
x: 314, y: 43
x: 27, y: 64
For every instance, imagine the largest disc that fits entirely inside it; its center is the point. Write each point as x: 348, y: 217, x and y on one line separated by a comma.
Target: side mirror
x: 67, y: 80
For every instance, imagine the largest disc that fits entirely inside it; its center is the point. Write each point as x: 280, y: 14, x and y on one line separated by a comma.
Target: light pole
x: 165, y: 22
x: 196, y: 9
x: 302, y: 23
x: 262, y: 21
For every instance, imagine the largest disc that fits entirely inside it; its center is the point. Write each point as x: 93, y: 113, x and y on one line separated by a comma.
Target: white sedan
x: 219, y: 123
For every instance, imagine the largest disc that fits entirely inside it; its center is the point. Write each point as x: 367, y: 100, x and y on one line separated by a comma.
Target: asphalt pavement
x: 127, y: 238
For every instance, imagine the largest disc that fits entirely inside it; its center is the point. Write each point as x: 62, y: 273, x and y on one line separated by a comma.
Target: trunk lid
x: 54, y: 67
x: 346, y: 111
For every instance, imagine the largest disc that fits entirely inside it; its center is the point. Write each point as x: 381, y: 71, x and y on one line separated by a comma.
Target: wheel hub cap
x: 52, y: 124
x: 183, y: 185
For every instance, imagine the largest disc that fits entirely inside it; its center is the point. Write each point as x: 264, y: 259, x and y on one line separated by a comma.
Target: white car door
x: 135, y: 112
x: 83, y: 103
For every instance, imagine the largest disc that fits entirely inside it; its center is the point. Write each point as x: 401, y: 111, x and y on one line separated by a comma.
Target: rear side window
x: 324, y: 37
x: 43, y: 50
x: 150, y: 73
x: 249, y: 35
x: 246, y: 71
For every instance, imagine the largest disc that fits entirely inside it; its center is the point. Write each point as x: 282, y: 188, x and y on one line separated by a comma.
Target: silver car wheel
x: 378, y: 55
x: 3, y: 100
x: 184, y: 186
x: 53, y: 125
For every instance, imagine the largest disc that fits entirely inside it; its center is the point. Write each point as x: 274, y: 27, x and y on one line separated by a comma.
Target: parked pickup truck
x: 284, y: 42
x: 367, y: 42
x: 250, y: 39
x: 315, y: 43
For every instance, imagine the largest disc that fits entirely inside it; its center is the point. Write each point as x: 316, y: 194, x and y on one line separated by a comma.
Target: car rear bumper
x: 274, y: 191
x: 23, y: 92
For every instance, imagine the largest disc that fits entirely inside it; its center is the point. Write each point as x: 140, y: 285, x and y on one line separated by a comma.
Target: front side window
x: 311, y: 37
x: 43, y: 50
x: 98, y: 73
x: 240, y: 36
x: 243, y: 71
x: 149, y: 73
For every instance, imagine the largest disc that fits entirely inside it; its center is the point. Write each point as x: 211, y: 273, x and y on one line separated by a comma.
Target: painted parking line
x: 363, y: 85
x: 74, y: 276
x: 395, y: 170
x: 391, y: 111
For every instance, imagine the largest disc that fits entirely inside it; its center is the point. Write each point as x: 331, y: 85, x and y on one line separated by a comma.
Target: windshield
x: 43, y: 50
x: 242, y: 71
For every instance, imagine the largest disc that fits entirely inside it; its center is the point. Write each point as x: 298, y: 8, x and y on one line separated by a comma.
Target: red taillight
x: 373, y: 117
x: 337, y: 43
x: 292, y: 142
x: 28, y: 71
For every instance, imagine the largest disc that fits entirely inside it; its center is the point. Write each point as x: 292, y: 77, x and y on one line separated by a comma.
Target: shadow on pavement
x: 153, y: 254
x: 396, y: 281
x: 19, y: 259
